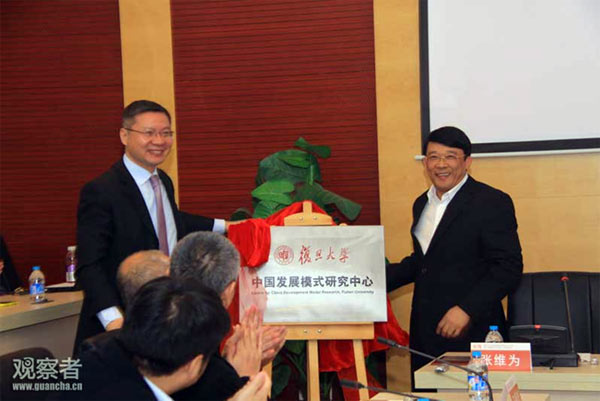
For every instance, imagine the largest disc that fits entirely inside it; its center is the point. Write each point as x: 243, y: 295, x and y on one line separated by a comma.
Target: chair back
x: 8, y: 368
x: 540, y: 299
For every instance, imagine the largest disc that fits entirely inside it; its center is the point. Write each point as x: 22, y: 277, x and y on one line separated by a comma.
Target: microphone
x: 565, y: 280
x: 434, y: 358
x: 358, y: 386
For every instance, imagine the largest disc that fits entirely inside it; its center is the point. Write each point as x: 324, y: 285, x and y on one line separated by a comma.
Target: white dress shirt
x: 141, y: 176
x: 158, y: 392
x: 433, y: 212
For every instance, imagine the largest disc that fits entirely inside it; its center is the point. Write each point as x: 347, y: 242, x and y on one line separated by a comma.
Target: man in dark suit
x: 214, y: 261
x: 467, y: 255
x: 170, y: 332
x: 129, y: 208
x: 219, y: 261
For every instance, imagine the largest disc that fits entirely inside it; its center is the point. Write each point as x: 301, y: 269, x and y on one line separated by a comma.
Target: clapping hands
x: 253, y: 345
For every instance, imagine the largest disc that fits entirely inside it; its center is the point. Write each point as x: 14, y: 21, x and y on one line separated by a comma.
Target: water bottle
x: 478, y: 389
x: 37, y: 285
x: 70, y: 263
x: 494, y: 336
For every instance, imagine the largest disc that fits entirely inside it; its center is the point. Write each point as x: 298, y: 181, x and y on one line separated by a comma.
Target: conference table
x: 50, y: 325
x: 457, y: 396
x: 562, y: 384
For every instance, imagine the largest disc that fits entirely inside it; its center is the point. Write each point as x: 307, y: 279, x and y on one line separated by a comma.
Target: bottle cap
x: 476, y: 354
x: 72, y: 248
x: 35, y: 268
x: 494, y: 328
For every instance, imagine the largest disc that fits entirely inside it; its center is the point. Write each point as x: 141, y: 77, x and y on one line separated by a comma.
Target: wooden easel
x: 312, y: 332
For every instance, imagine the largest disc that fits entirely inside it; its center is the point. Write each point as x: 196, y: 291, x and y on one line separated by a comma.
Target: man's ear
x: 194, y: 368
x: 468, y: 161
x: 228, y: 294
x: 123, y: 134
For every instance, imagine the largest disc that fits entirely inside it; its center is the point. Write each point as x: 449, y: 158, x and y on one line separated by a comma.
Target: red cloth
x: 253, y: 240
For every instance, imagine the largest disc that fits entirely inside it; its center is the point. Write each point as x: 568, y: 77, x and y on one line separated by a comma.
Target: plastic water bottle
x: 37, y: 285
x: 494, y: 336
x: 478, y: 389
x: 70, y: 263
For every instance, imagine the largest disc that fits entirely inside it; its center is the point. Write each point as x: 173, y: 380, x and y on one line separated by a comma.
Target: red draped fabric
x: 253, y: 240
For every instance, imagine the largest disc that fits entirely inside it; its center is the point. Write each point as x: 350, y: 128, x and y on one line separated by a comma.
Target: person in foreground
x: 135, y: 271
x: 213, y: 261
x: 138, y: 269
x: 131, y: 207
x: 467, y: 255
x: 169, y: 334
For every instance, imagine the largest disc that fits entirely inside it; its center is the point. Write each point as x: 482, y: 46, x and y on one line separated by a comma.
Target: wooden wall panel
x: 61, y: 98
x: 251, y: 77
x: 146, y: 48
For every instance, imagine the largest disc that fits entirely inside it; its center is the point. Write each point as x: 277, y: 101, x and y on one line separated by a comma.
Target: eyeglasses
x: 150, y: 133
x: 435, y: 159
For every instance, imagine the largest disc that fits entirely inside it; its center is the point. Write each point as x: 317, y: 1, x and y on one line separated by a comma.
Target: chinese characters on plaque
x: 321, y: 274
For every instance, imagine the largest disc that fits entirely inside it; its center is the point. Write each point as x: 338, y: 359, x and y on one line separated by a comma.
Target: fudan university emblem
x: 284, y: 255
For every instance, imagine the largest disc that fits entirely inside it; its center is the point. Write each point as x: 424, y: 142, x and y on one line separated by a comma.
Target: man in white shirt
x: 467, y: 255
x: 129, y: 208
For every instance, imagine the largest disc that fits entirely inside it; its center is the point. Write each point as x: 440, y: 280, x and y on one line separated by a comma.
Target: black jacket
x: 473, y: 261
x: 9, y: 280
x: 112, y: 223
x: 107, y: 373
x: 218, y: 382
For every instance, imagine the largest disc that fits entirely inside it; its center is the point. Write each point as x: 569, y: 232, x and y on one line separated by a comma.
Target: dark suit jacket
x: 9, y: 280
x: 219, y: 381
x: 112, y: 223
x: 473, y: 261
x: 107, y: 373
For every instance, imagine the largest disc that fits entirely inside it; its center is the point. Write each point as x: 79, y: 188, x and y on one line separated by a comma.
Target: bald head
x: 139, y: 268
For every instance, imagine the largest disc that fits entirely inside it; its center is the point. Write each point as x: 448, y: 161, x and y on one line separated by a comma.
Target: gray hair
x: 138, y: 269
x: 207, y: 257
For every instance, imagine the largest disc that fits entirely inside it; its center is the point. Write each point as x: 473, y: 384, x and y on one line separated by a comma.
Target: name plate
x: 511, y: 391
x: 505, y: 356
